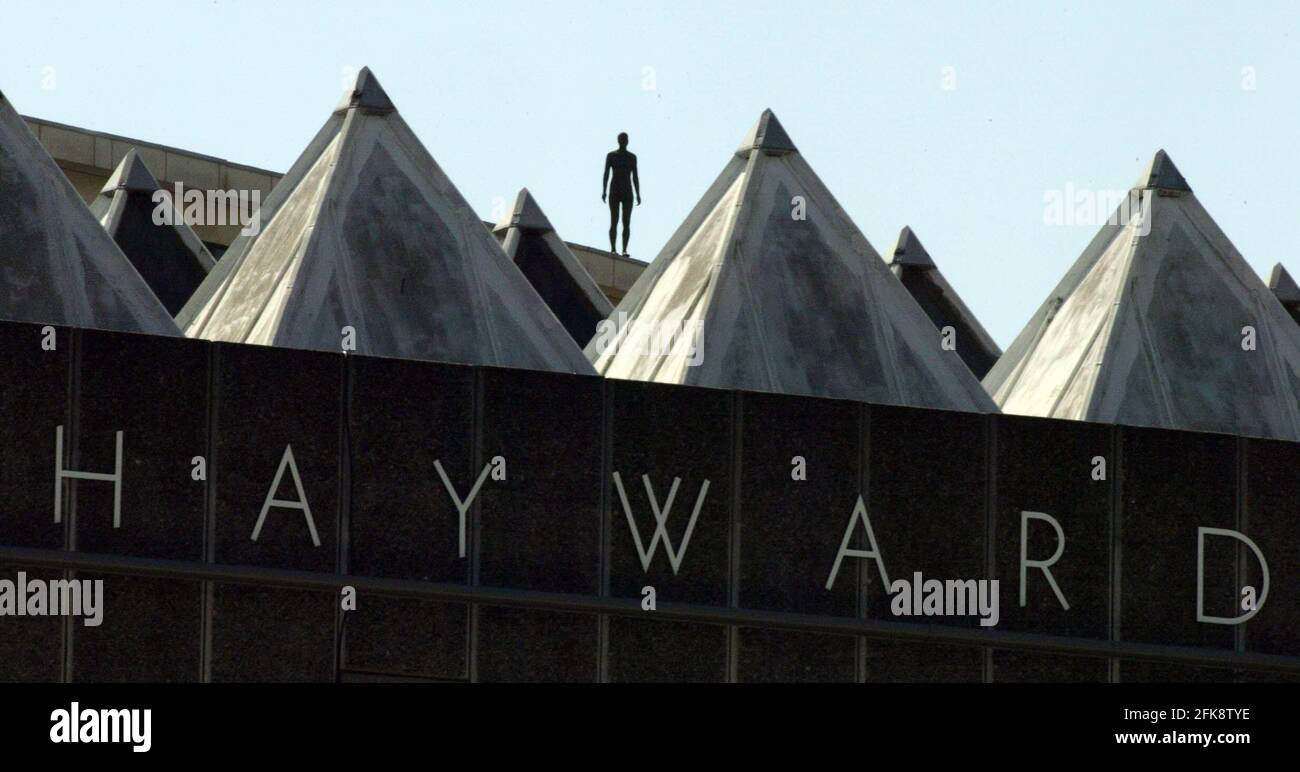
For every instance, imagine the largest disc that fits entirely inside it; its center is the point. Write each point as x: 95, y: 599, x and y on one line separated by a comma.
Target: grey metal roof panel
x: 238, y: 248
x: 169, y: 255
x: 1152, y: 330
x: 1010, y: 360
x: 371, y: 234
x: 57, y: 264
x: 783, y: 303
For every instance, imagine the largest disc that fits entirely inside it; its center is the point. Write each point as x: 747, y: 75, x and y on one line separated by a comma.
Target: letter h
x: 60, y: 474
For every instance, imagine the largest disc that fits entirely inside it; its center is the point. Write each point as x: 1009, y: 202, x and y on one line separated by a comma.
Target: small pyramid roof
x: 912, y: 264
x: 559, y: 277
x: 165, y: 250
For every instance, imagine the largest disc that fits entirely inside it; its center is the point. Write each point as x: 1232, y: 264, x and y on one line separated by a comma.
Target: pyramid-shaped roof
x: 366, y: 231
x: 786, y: 295
x: 912, y: 264
x: 530, y: 240
x: 1160, y: 322
x: 57, y: 265
x: 1161, y: 174
x: 170, y: 256
x: 1285, y: 290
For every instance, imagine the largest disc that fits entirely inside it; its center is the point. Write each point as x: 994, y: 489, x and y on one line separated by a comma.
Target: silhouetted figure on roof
x: 622, y: 181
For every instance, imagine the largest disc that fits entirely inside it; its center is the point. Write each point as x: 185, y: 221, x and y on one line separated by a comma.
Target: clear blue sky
x: 513, y: 94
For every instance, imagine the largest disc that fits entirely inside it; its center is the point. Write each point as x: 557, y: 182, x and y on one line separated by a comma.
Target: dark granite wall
x: 402, y: 418
x: 1172, y: 483
x: 790, y: 530
x: 540, y: 527
x: 34, y: 389
x: 267, y: 402
x: 1272, y: 520
x: 663, y: 433
x: 929, y: 504
x: 944, y: 493
x: 162, y: 413
x: 1066, y: 471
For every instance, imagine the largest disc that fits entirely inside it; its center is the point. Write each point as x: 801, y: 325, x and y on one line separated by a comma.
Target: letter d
x: 1201, y: 616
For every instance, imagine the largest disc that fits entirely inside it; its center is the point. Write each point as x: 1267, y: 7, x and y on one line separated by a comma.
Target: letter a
x: 859, y: 512
x: 301, y: 503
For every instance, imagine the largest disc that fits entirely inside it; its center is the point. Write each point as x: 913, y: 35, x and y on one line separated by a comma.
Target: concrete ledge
x: 89, y: 157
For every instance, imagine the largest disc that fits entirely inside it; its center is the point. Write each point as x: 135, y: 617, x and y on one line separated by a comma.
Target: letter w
x: 661, y: 522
